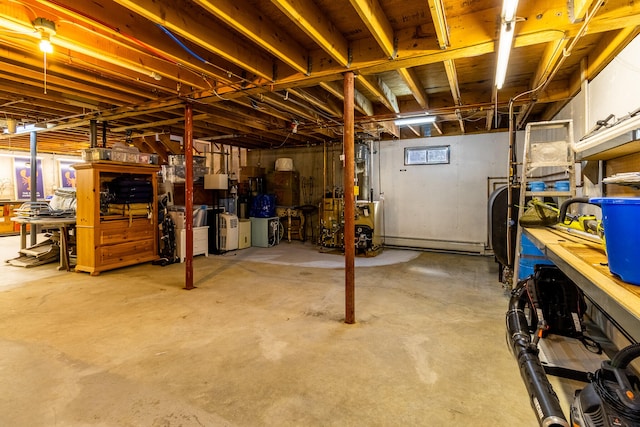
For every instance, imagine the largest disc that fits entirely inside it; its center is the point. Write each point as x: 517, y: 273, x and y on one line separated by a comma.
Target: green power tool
x: 586, y: 226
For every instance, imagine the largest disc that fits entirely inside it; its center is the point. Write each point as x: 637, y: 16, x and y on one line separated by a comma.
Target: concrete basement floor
x: 259, y: 343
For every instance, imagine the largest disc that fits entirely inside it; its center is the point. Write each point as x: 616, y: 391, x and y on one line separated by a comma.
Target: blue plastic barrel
x: 530, y: 256
x: 622, y: 234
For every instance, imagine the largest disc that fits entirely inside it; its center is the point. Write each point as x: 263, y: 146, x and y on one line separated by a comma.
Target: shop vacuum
x: 610, y: 399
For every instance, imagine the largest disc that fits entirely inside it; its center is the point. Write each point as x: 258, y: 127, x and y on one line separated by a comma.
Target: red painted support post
x: 349, y: 199
x: 188, y: 194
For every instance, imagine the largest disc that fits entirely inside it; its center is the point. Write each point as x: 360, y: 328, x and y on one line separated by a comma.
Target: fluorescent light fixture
x: 504, y: 49
x: 509, y: 10
x: 415, y: 120
x: 507, y: 28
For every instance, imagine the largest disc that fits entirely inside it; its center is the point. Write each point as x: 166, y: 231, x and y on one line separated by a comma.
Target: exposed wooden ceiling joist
x: 251, y: 69
x: 309, y: 18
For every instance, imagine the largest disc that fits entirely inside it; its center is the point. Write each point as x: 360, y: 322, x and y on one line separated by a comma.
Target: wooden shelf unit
x: 106, y: 242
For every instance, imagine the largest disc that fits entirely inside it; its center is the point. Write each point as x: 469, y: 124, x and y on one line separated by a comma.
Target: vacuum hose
x: 544, y: 400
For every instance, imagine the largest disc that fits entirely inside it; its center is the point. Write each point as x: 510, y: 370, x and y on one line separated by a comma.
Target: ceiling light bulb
x: 45, y: 43
x: 46, y: 28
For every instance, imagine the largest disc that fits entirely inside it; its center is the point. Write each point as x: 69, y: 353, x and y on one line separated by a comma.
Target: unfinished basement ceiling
x: 255, y: 71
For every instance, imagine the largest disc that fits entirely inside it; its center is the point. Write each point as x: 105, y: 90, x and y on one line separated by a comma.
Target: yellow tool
x: 586, y: 226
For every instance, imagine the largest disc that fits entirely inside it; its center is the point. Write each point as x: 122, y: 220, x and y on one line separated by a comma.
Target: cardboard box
x: 247, y: 172
x: 217, y: 181
x: 285, y: 186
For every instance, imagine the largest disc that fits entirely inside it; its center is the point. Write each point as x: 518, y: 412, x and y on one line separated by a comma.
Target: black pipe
x: 93, y: 134
x: 544, y: 400
x: 104, y: 134
x: 565, y: 205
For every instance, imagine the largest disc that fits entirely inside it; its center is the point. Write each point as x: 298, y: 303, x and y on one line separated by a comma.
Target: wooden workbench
x: 63, y: 224
x: 586, y: 264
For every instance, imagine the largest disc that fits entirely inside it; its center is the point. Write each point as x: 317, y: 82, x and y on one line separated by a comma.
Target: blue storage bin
x: 530, y: 256
x: 537, y: 186
x: 620, y: 218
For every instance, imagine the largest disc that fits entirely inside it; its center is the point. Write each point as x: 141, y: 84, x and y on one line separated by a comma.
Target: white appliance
x: 244, y: 234
x: 228, y: 232
x: 200, y: 242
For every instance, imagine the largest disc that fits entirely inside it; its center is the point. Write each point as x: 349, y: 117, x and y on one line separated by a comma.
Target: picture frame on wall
x: 67, y: 177
x: 22, y: 183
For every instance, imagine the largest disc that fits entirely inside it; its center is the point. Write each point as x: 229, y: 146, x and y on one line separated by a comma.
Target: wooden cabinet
x: 106, y: 241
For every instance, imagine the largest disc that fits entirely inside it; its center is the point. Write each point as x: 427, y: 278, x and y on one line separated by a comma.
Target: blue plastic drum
x: 622, y: 235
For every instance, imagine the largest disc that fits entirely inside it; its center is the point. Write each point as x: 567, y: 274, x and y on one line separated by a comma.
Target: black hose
x: 617, y: 387
x: 544, y: 400
x: 625, y: 356
x: 565, y: 205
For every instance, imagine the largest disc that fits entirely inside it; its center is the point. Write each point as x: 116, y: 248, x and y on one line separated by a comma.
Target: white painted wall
x: 440, y: 206
x: 430, y: 206
x: 445, y: 206
x: 616, y: 90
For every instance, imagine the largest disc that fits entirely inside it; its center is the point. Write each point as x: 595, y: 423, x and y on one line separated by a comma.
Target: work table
x: 585, y: 263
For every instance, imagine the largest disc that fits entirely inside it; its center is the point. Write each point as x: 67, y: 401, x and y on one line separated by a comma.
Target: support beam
x: 376, y: 21
x: 33, y: 180
x: 157, y: 148
x: 188, y: 194
x: 440, y: 22
x: 381, y: 91
x: 452, y: 76
x: 310, y: 19
x: 173, y: 147
x: 460, y: 121
x: 166, y: 122
x: 315, y: 98
x: 110, y: 26
x: 362, y: 104
x: 415, y: 130
x: 349, y: 199
x: 242, y: 16
x: 222, y: 42
x: 550, y: 57
x: 417, y: 89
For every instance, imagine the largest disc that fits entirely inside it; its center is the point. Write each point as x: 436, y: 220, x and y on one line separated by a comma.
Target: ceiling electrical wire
x: 310, y: 108
x: 156, y: 53
x: 201, y: 59
x: 182, y: 45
